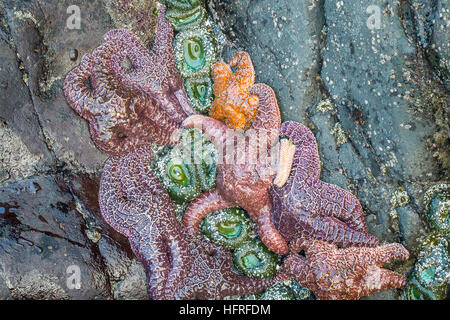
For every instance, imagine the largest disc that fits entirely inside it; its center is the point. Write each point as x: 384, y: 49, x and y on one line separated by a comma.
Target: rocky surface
x: 375, y: 95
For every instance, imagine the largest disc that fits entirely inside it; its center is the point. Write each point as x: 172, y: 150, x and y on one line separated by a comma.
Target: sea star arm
x: 158, y: 250
x: 165, y: 86
x: 221, y: 73
x: 134, y: 203
x: 355, y: 270
x: 306, y: 157
x: 388, y: 252
x: 377, y: 278
x: 267, y: 231
x: 164, y: 35
x: 150, y: 248
x: 297, y: 266
x: 235, y: 284
x: 337, y: 202
x: 130, y: 46
x: 244, y: 69
x: 268, y: 119
x: 79, y: 95
x: 201, y: 207
x: 387, y: 280
x: 379, y: 255
x: 133, y: 50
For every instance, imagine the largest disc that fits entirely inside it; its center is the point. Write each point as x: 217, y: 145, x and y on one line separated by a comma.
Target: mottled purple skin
x: 307, y: 206
x: 334, y: 273
x: 152, y: 71
x: 211, y: 274
x: 120, y: 118
x: 179, y: 266
x: 135, y: 204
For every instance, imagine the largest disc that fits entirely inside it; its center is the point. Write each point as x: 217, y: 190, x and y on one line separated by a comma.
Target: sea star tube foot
x: 307, y: 205
x: 343, y: 274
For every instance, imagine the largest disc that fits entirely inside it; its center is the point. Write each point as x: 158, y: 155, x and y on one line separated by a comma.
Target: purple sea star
x: 135, y: 204
x: 153, y: 72
x: 350, y: 273
x: 178, y: 265
x: 119, y: 118
x: 306, y: 205
x: 242, y: 180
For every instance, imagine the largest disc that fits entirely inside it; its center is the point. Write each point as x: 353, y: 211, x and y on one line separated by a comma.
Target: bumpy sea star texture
x: 152, y: 71
x: 179, y: 266
x: 211, y: 274
x: 344, y: 274
x: 135, y: 204
x: 121, y: 116
x: 245, y: 174
x: 235, y: 103
x: 306, y: 205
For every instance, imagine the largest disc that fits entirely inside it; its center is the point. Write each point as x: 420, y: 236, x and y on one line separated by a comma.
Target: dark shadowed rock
x: 43, y: 239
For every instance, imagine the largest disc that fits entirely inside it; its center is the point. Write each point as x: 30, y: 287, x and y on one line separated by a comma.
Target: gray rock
x: 43, y: 243
x: 23, y: 151
x: 43, y: 44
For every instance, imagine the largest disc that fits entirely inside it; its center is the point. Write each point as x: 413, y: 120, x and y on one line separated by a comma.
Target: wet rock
x: 370, y: 74
x: 41, y: 37
x: 125, y: 272
x: 23, y: 151
x: 44, y: 249
x: 370, y: 70
x: 4, y: 291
